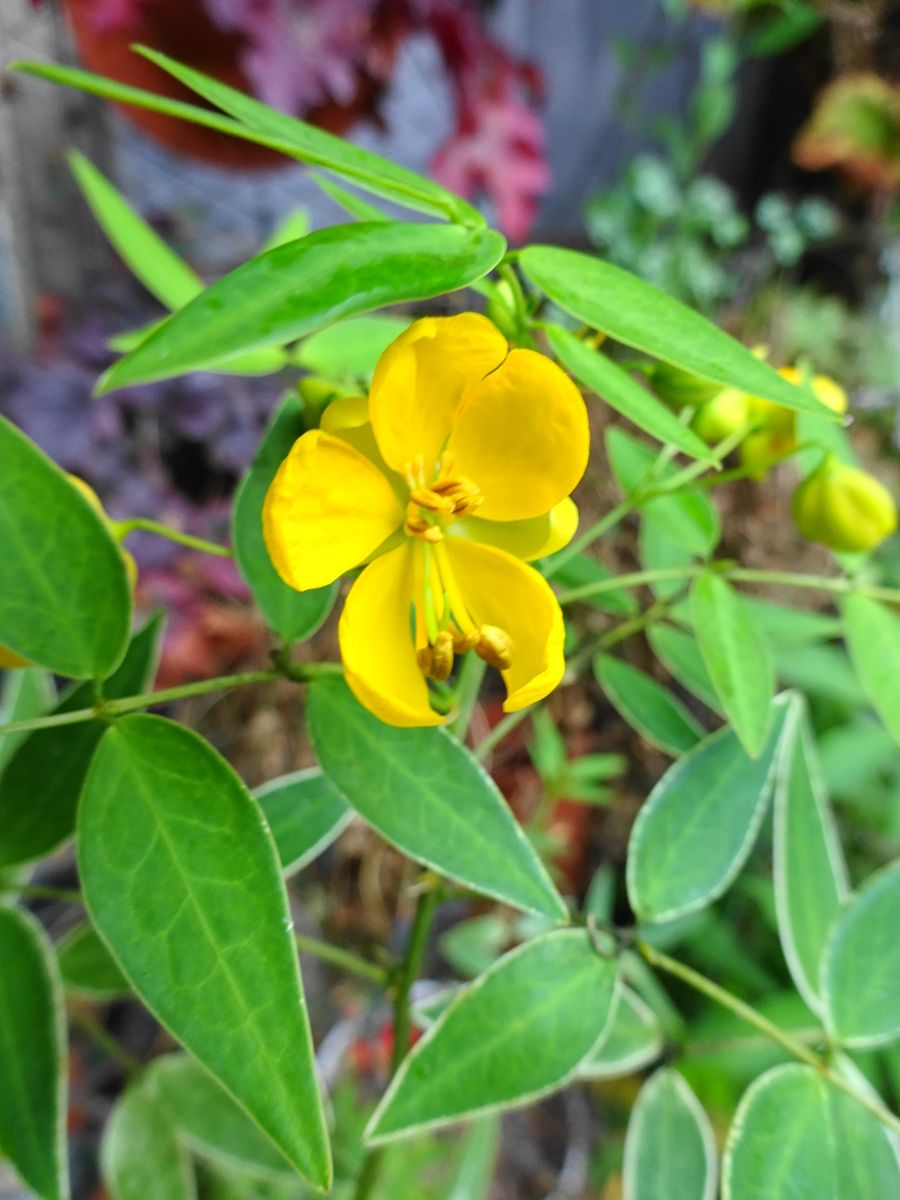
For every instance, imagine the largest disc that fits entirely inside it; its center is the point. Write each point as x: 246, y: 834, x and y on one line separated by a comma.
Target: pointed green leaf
x: 182, y: 881
x: 423, y: 791
x: 65, y: 599
x: 141, y: 1158
x: 680, y: 655
x: 40, y: 787
x: 736, y: 656
x: 87, y: 967
x: 353, y: 205
x: 861, y: 966
x: 32, y: 1057
x: 305, y: 813
x: 647, y: 706
x: 873, y: 636
x: 516, y: 1033
x: 633, y: 1040
x: 295, y: 225
x: 795, y: 1136
x: 699, y: 823
x: 809, y: 870
x: 639, y: 315
x: 305, y: 285
x: 670, y: 1150
x: 291, y: 614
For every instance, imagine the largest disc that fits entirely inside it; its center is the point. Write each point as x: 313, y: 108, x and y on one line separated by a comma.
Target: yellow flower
x: 843, y: 507
x: 776, y: 433
x: 457, y: 470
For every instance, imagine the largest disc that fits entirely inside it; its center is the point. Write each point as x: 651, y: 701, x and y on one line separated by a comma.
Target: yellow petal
x: 521, y: 435
x: 327, y: 509
x: 420, y: 378
x: 377, y: 643
x: 502, y: 591
x: 534, y: 537
x: 9, y: 659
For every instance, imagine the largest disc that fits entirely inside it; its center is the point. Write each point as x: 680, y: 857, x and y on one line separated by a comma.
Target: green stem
x: 630, y: 579
x: 124, y: 528
x: 36, y: 891
x: 341, y: 958
x: 637, y: 624
x: 590, y: 535
x: 469, y: 685
x: 504, y: 726
x: 787, y: 1041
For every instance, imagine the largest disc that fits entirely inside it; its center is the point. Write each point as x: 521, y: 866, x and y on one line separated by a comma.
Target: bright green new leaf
x: 736, y: 656
x: 670, y: 1150
x: 32, y: 1057
x: 156, y: 265
x: 516, y: 1033
x: 295, y: 225
x: 40, y: 787
x: 680, y: 655
x: 423, y: 791
x: 292, y: 615
x: 873, y: 636
x: 65, y: 599
x: 810, y: 874
x: 699, y: 823
x: 265, y: 361
x: 633, y: 1040
x: 861, y: 966
x: 305, y: 813
x: 303, y: 286
x: 639, y: 315
x: 795, y: 1136
x: 27, y: 692
x: 141, y: 1157
x: 349, y: 350
x: 87, y: 967
x: 647, y: 706
x: 616, y: 388
x: 182, y: 881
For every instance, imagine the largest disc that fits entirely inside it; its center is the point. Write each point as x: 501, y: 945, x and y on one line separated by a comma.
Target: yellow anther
x: 495, y: 646
x: 463, y: 642
x: 436, y: 661
x: 429, y: 499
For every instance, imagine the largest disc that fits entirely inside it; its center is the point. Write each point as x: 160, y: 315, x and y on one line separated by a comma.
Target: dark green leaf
x: 182, y: 881
x: 670, y: 1150
x: 87, y: 967
x: 873, y: 636
x: 647, y: 706
x: 305, y: 814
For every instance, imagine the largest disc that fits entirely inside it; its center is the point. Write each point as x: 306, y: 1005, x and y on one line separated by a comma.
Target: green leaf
x: 305, y: 813
x: 736, y: 656
x: 40, y: 787
x: 579, y: 571
x: 680, y: 655
x: 647, y: 706
x: 303, y: 286
x: 207, y: 1118
x: 65, y: 599
x: 821, y: 670
x: 809, y: 871
x: 156, y: 265
x: 32, y: 1057
x: 634, y: 1038
x: 794, y: 1136
x: 861, y: 966
x: 670, y: 1150
x: 182, y: 881
x: 352, y: 204
x: 699, y: 823
x: 639, y: 315
x: 27, y: 692
x: 349, y: 350
x: 295, y: 225
x: 873, y: 637
x: 786, y: 628
x: 423, y: 792
x: 141, y: 1157
x: 291, y: 614
x: 616, y: 388
x: 515, y: 1034
x: 478, y: 1162
x: 87, y: 967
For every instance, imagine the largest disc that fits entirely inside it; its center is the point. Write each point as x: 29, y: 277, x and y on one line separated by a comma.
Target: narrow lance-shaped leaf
x: 639, y: 315
x: 423, y: 791
x: 873, y: 636
x: 680, y: 655
x: 518, y: 1032
x: 141, y: 1155
x: 182, y: 881
x: 302, y: 286
x: 32, y: 1057
x: 646, y: 705
x: 65, y: 600
x: 670, y: 1150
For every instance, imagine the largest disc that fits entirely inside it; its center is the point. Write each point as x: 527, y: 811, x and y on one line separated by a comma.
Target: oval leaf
x: 736, y: 656
x: 87, y: 967
x: 65, y: 600
x: 670, y: 1151
x: 634, y: 1039
x: 873, y: 636
x: 861, y: 967
x: 291, y: 614
x: 306, y: 813
x: 639, y: 315
x: 810, y: 875
x: 516, y: 1033
x: 423, y: 792
x: 699, y: 823
x: 141, y: 1157
x: 32, y: 1057
x: 182, y: 881
x: 304, y: 285
x: 794, y: 1136
x: 647, y: 706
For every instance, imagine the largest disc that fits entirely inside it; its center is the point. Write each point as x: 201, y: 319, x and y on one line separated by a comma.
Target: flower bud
x: 681, y: 389
x: 501, y: 308
x: 843, y: 507
x: 723, y: 415
x: 831, y: 394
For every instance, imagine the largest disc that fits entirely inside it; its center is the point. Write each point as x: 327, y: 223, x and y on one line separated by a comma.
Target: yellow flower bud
x: 94, y: 500
x: 830, y: 393
x: 681, y: 389
x: 843, y: 507
x: 721, y: 416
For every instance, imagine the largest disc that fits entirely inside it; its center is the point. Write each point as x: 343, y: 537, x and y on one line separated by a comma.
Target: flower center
x: 434, y: 503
